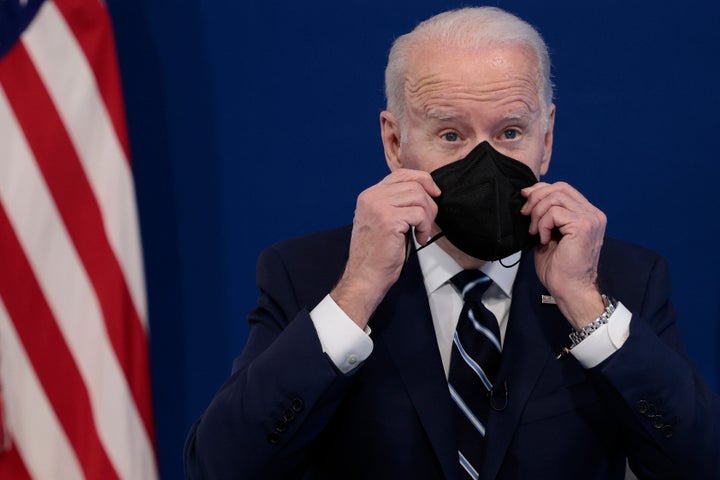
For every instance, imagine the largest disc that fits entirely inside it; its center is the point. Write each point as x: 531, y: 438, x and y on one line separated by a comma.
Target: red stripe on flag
x: 66, y: 180
x: 12, y: 466
x: 91, y: 26
x: 49, y: 354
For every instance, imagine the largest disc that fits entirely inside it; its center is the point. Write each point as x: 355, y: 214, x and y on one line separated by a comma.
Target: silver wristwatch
x: 579, y: 335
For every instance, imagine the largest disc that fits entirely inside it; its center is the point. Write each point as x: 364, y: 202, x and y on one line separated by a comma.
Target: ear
x: 391, y: 139
x: 547, y: 153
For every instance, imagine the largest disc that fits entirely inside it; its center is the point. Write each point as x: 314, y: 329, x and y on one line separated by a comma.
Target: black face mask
x: 479, y: 208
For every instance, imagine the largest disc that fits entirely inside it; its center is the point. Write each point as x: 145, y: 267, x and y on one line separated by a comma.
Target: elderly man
x: 430, y: 339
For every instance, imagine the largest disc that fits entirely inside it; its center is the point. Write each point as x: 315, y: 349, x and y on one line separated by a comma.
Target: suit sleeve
x: 671, y: 417
x: 281, y: 393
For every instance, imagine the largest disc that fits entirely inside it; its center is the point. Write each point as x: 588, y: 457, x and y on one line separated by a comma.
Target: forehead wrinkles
x: 454, y: 75
x: 434, y: 95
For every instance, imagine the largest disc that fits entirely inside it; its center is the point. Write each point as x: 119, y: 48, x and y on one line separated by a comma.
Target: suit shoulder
x: 311, y: 262
x: 626, y: 269
x: 614, y: 251
x: 316, y: 244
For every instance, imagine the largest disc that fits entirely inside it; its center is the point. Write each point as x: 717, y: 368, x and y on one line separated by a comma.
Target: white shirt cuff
x: 342, y: 340
x: 604, y: 341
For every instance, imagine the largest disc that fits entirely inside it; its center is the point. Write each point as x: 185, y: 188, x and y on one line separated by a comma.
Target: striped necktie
x: 473, y: 366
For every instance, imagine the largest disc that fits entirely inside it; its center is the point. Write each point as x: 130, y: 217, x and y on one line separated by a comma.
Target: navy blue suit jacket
x: 286, y: 412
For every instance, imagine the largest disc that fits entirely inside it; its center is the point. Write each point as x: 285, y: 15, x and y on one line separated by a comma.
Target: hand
x: 571, y: 233
x: 384, y: 214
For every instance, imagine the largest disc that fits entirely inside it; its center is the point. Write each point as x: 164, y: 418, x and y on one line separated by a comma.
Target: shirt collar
x: 438, y: 267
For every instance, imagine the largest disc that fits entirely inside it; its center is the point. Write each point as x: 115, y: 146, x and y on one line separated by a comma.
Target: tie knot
x: 471, y: 284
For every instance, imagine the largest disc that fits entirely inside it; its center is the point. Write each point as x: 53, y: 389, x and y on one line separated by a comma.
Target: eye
x: 510, y: 134
x: 451, y: 136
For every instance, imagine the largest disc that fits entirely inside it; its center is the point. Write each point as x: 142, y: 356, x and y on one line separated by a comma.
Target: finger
x: 555, y: 200
x: 398, y: 207
x: 555, y: 218
x: 417, y: 208
x: 407, y: 194
x: 534, y: 194
x: 408, y: 175
x: 398, y: 221
x: 402, y: 194
x: 586, y: 225
x: 541, y: 190
x: 560, y: 193
x: 421, y: 220
x: 528, y: 190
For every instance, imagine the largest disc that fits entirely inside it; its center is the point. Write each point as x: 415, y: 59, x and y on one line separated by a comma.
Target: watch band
x: 578, y: 336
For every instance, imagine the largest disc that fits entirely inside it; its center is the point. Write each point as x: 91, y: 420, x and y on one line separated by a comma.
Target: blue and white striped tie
x: 473, y: 366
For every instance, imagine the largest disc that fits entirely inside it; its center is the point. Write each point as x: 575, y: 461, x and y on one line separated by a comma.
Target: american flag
x: 74, y: 378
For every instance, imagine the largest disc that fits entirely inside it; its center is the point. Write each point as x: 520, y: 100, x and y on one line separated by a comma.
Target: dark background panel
x: 255, y: 121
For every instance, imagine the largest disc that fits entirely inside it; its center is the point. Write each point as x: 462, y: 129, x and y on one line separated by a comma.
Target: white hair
x: 476, y: 27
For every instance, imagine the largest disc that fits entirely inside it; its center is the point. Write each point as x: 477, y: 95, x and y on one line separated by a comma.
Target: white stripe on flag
x: 72, y: 300
x: 69, y: 79
x: 38, y: 435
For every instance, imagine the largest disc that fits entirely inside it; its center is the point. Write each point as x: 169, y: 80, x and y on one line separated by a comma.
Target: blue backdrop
x: 230, y: 103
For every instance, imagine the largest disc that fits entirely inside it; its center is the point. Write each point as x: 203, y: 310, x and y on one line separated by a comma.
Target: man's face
x: 457, y: 98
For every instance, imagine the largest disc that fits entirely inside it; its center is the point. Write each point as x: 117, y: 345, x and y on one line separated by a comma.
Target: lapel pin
x: 547, y: 300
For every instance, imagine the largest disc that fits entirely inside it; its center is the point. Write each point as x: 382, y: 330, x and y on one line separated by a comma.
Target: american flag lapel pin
x: 547, y: 300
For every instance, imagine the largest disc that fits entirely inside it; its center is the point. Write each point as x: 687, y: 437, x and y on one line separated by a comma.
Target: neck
x: 463, y: 259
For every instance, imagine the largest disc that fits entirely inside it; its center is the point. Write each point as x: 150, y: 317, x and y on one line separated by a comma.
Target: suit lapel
x: 534, y: 331
x: 403, y: 324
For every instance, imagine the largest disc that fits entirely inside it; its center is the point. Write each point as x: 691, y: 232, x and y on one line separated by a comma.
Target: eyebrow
x: 516, y: 116
x: 437, y: 115
x: 445, y: 116
x: 522, y: 115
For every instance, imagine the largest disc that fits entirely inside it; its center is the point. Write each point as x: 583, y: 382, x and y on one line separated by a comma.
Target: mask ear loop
x: 512, y: 264
x: 408, y: 243
x: 435, y: 238
x: 432, y: 240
